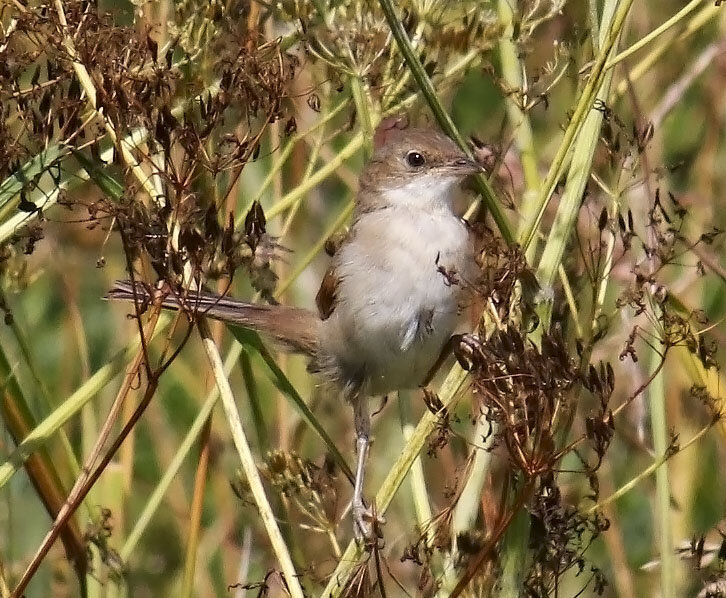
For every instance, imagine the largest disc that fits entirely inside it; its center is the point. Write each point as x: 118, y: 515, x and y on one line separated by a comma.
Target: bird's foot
x: 467, y: 349
x: 367, y: 526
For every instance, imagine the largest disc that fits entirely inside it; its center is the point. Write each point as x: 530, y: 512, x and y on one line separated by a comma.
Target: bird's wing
x: 326, y: 299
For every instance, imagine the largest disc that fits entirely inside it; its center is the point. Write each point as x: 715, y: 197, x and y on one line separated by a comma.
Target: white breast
x: 395, y: 309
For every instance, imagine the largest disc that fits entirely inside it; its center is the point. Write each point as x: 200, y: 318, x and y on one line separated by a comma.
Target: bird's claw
x: 367, y: 526
x: 467, y: 349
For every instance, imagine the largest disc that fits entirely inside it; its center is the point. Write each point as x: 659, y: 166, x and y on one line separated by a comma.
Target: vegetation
x: 575, y: 450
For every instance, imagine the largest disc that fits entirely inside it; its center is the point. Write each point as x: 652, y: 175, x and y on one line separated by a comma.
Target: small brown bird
x: 387, y: 310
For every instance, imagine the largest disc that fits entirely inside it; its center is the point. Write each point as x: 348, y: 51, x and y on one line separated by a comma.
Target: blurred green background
x: 55, y: 296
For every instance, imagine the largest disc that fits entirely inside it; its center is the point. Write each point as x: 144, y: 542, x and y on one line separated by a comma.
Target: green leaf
x: 40, y: 467
x: 31, y: 170
x: 252, y: 340
x: 107, y: 183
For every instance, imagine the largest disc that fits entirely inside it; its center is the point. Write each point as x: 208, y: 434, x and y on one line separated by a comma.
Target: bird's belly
x: 395, y: 315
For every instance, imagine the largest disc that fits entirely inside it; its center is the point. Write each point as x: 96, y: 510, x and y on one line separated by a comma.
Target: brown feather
x: 295, y: 328
x: 326, y: 299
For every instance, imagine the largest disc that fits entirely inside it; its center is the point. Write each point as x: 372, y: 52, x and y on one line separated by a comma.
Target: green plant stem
x: 251, y: 340
x: 353, y: 145
x: 362, y: 106
x: 698, y: 20
x: 577, y: 177
x: 514, y: 556
x: 516, y: 540
x: 253, y: 395
x: 442, y: 117
x: 419, y: 492
x: 468, y: 504
x: 420, y: 495
x: 195, y: 512
x: 287, y: 150
x: 311, y: 182
x: 152, y: 504
x: 658, y: 31
x: 609, y: 35
x: 519, y: 121
x: 648, y: 471
x: 69, y: 407
x: 27, y: 354
x: 248, y: 463
x: 334, y: 226
x: 657, y: 401
x: 40, y: 467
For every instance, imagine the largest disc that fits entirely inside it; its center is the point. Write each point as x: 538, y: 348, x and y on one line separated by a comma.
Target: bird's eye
x: 415, y: 159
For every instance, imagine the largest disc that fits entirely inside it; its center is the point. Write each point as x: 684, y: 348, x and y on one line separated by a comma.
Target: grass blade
x: 36, y: 436
x: 252, y: 340
x: 108, y: 184
x: 30, y: 171
x: 248, y: 464
x: 657, y: 402
x: 42, y: 472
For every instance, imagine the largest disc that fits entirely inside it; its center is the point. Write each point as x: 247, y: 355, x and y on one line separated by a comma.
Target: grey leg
x: 362, y: 517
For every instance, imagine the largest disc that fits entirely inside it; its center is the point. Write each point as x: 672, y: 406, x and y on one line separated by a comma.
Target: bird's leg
x: 363, y: 518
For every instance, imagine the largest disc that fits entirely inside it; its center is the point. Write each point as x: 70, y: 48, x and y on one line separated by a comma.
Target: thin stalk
x: 312, y: 161
x: 111, y: 496
x: 648, y: 471
x: 4, y: 589
x: 516, y: 540
x: 195, y: 512
x: 698, y: 20
x: 468, y: 504
x: 514, y: 559
x: 400, y: 82
x: 571, y: 303
x: 289, y: 146
x: 362, y: 107
x: 90, y: 475
x: 609, y: 35
x: 40, y: 467
x: 152, y: 504
x: 248, y: 463
x: 251, y: 340
x: 577, y: 177
x: 658, y: 31
x: 659, y: 424
x: 512, y: 71
x: 355, y: 143
x: 339, y: 221
x: 253, y: 395
x: 27, y: 355
x: 68, y: 408
x: 50, y: 197
x: 86, y: 82
x: 419, y: 492
x: 603, y: 275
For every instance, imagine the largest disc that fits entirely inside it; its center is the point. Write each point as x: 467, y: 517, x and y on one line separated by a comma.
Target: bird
x: 392, y: 300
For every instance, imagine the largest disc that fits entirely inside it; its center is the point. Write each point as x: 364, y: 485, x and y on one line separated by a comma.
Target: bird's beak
x: 466, y: 166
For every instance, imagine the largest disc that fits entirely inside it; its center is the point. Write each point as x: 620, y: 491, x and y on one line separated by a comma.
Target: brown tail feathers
x: 293, y: 327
